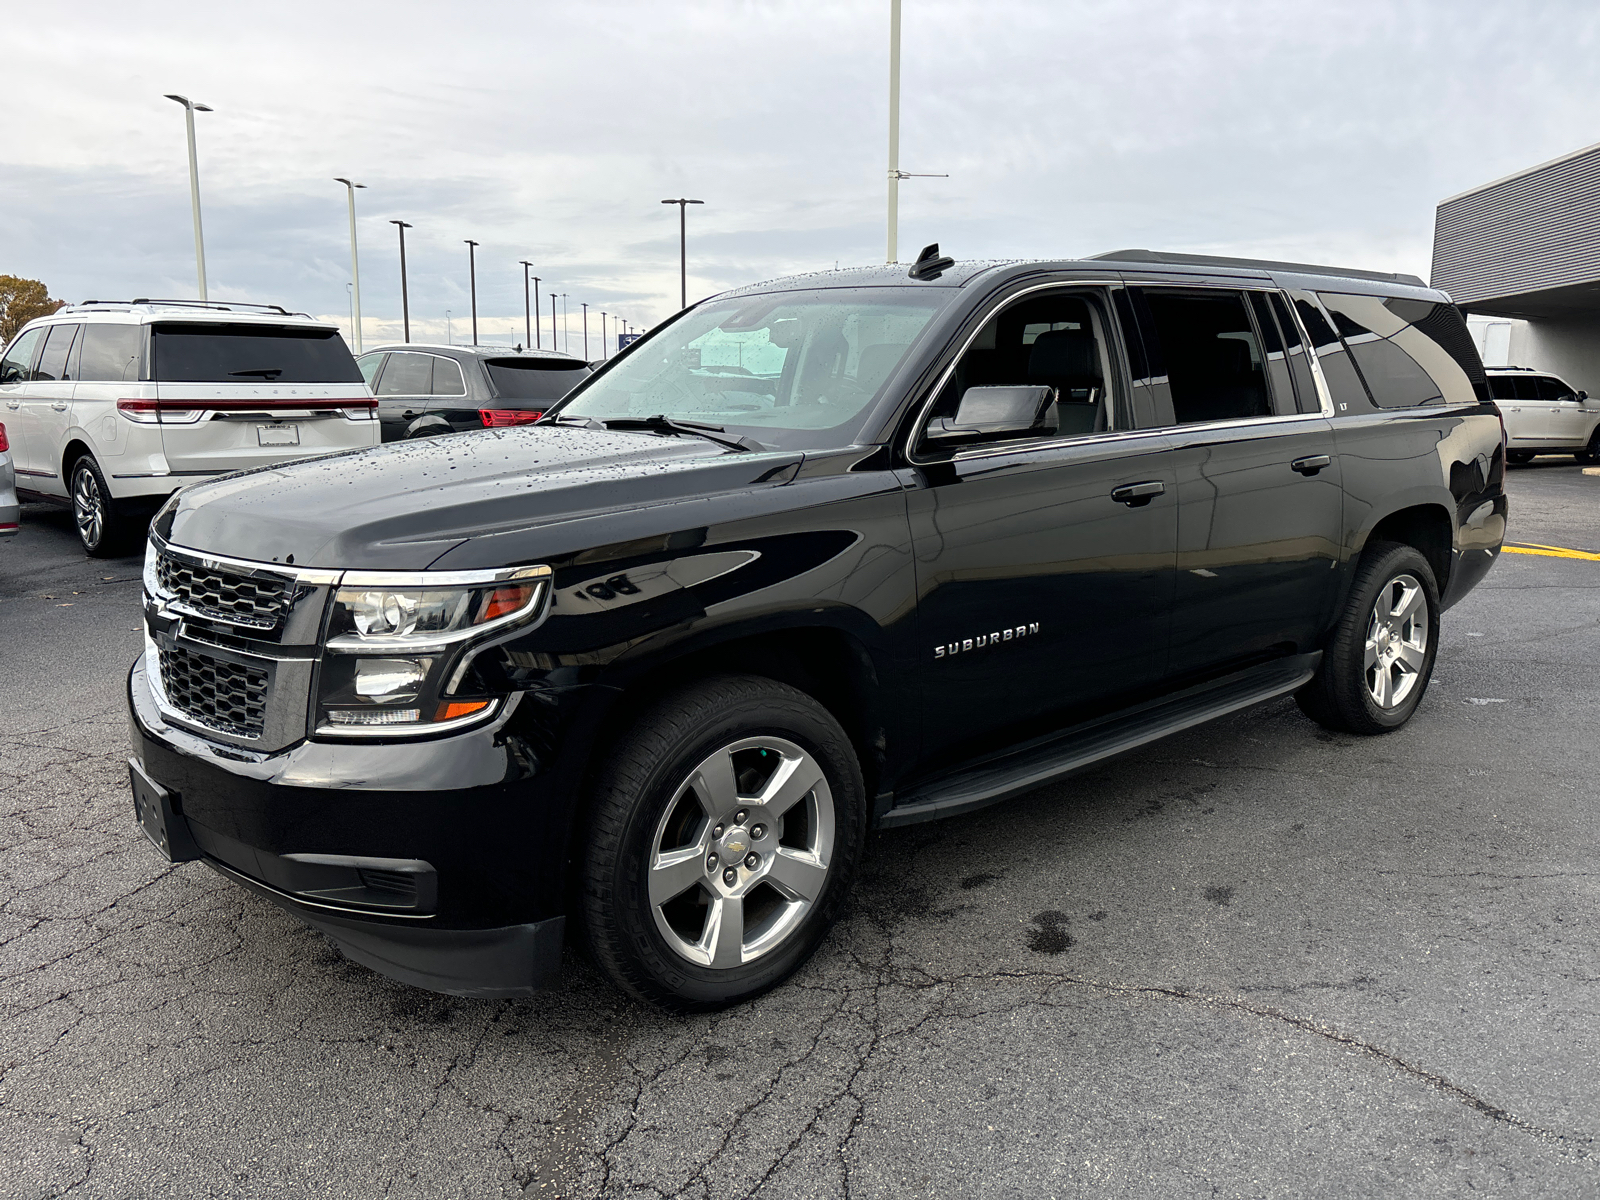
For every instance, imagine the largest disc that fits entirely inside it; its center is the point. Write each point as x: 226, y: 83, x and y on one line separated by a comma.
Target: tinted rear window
x: 197, y: 353
x: 534, y: 378
x: 1410, y: 352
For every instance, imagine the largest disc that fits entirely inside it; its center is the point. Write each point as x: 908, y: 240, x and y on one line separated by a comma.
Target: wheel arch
x: 75, y: 449
x: 1427, y: 528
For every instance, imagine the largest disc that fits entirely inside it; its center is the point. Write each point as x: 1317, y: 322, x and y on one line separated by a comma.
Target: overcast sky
x: 1320, y: 131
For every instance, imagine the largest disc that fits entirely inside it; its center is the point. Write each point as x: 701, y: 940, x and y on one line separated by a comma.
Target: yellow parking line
x: 1551, y: 551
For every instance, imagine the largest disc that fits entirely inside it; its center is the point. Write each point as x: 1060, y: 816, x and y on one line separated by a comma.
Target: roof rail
x: 218, y: 305
x: 1262, y: 264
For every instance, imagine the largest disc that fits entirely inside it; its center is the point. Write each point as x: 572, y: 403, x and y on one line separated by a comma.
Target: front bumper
x: 439, y: 863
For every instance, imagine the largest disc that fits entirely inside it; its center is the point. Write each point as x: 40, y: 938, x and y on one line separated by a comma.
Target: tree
x: 21, y: 300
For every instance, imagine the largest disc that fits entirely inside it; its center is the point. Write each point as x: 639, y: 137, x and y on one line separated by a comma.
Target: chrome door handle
x: 59, y: 405
x: 1137, y: 495
x: 13, y: 404
x: 1311, y: 463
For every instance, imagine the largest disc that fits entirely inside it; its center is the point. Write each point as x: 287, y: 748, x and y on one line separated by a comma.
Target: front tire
x: 1377, y: 666
x: 724, y: 833
x: 1591, y: 452
x: 103, y: 529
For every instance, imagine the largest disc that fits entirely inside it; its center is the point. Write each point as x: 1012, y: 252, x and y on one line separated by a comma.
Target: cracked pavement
x: 1257, y: 959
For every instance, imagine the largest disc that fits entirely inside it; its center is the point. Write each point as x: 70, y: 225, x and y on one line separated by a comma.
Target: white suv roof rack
x: 209, y: 305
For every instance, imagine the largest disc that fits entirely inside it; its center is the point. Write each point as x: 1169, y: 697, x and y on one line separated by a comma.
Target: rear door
x: 449, y: 398
x: 1259, y: 497
x: 237, y: 395
x: 404, y: 395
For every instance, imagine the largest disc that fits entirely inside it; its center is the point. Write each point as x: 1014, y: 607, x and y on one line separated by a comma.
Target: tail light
x: 167, y: 412
x: 501, y: 418
x: 4, y: 445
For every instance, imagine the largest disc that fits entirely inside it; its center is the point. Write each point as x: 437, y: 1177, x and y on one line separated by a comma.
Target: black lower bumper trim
x: 503, y: 962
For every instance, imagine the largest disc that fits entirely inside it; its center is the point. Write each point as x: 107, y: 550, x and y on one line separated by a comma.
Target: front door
x: 48, y: 406
x: 1044, y: 566
x: 1259, y: 492
x: 403, y: 394
x: 16, y: 383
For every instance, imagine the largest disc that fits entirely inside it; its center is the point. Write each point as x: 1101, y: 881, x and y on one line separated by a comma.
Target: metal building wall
x: 1532, y: 231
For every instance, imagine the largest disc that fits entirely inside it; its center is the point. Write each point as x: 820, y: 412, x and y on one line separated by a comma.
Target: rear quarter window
x: 1409, y: 352
x: 194, y: 352
x: 534, y: 378
x: 110, y: 353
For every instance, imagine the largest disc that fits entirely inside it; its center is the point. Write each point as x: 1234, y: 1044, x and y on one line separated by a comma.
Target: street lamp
x: 566, y: 329
x: 190, y: 107
x: 449, y: 330
x: 538, y: 338
x: 895, y: 173
x: 605, y: 351
x: 355, y: 263
x: 527, y: 312
x: 585, y: 333
x: 472, y: 268
x: 683, y: 238
x: 405, y: 302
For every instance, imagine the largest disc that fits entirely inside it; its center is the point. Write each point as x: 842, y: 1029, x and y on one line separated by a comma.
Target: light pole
x: 355, y: 263
x: 527, y: 311
x: 449, y: 331
x: 894, y: 129
x: 566, y: 328
x: 605, y: 350
x: 585, y: 333
x: 538, y: 338
x: 472, y: 275
x: 405, y: 302
x: 683, y: 245
x: 191, y: 107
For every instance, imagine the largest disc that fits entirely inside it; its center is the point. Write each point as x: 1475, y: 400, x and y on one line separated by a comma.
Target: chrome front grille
x: 228, y: 697
x: 257, y: 603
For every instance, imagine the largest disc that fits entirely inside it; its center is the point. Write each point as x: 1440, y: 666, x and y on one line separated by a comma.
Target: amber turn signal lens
x: 505, y: 600
x: 452, y: 709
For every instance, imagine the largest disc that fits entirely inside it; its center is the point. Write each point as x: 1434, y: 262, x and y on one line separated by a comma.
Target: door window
x: 1344, y: 385
x: 369, y: 364
x: 1205, y: 345
x: 447, y: 379
x: 17, y: 365
x: 110, y: 353
x: 53, y: 358
x: 1553, y: 389
x: 406, y: 375
x: 1051, y: 341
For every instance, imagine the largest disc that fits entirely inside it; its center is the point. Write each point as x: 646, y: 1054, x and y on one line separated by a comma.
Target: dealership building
x: 1522, y: 256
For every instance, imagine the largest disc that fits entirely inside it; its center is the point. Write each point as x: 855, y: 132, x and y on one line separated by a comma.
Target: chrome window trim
x: 921, y: 421
x: 1021, y: 446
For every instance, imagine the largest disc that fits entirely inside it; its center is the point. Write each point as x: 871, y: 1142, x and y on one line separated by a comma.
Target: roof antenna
x: 930, y: 263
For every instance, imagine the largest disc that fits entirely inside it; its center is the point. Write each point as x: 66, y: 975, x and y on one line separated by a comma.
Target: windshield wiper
x: 267, y: 373
x: 661, y: 423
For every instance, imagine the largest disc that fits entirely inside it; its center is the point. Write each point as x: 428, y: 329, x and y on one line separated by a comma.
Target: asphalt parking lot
x: 1257, y: 959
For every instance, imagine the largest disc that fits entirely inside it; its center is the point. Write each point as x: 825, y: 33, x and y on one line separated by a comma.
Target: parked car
x: 427, y: 390
x: 10, y: 509
x: 824, y: 554
x: 1545, y: 415
x: 112, y: 405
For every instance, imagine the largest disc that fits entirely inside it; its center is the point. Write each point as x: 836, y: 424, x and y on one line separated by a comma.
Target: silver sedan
x: 10, y: 510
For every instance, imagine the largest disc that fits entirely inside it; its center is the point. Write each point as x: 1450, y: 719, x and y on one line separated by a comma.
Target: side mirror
x: 1582, y: 395
x: 988, y: 412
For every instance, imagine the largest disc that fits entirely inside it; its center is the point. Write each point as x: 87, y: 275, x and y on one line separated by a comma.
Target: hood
x: 402, y: 505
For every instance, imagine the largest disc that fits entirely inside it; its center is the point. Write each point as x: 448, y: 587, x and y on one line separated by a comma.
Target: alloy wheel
x: 742, y: 852
x: 1397, y: 641
x: 88, y: 507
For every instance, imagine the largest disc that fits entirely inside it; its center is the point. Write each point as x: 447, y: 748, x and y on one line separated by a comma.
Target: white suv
x: 1543, y: 415
x: 112, y: 406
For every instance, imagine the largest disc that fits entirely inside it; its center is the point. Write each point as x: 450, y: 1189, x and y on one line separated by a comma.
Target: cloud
x: 550, y: 131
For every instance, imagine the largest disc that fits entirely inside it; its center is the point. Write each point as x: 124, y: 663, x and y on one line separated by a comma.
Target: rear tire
x: 1377, y: 666
x: 104, y: 529
x: 755, y: 773
x: 1519, y: 456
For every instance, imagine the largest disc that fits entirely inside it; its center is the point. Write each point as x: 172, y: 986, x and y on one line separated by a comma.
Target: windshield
x: 792, y: 370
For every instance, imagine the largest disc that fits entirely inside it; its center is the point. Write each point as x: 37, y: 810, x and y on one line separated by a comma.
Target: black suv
x: 426, y: 390
x: 846, y: 550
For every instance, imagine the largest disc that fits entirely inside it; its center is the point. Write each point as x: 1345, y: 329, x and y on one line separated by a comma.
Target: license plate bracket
x: 280, y: 433
x: 162, y: 824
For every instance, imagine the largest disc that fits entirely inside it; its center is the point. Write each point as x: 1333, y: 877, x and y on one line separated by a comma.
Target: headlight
x: 399, y: 644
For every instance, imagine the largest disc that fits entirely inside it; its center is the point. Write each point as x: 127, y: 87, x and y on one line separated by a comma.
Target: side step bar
x: 1050, y: 758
